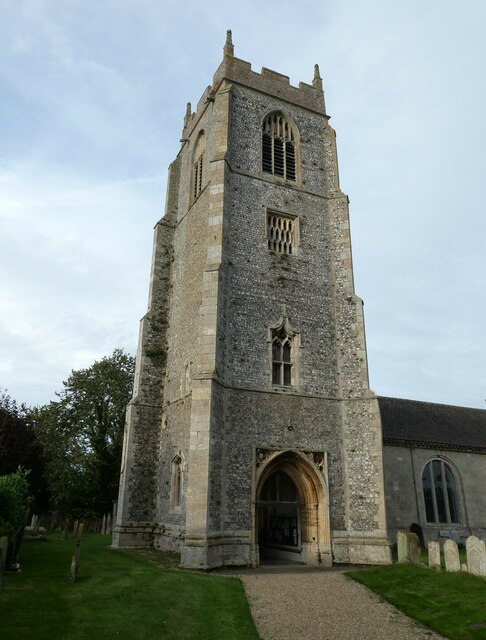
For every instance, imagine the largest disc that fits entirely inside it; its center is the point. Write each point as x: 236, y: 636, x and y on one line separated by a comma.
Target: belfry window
x: 278, y: 147
x: 440, y: 494
x: 281, y: 358
x: 198, y: 165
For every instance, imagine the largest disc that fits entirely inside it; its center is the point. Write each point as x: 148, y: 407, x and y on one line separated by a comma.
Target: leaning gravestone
x: 408, y: 546
x: 451, y: 556
x: 434, y: 554
x: 476, y: 556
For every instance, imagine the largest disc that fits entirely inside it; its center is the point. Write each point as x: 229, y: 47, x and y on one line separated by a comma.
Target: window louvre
x: 278, y: 147
x: 267, y: 153
x: 290, y: 160
x: 198, y: 167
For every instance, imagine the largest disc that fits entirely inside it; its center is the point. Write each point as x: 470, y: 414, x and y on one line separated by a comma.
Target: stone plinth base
x: 314, y: 555
x: 360, y: 548
x: 210, y: 553
x: 132, y: 536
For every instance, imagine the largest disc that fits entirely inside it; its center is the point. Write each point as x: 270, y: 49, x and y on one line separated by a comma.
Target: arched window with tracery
x: 440, y: 492
x: 279, y: 146
x: 283, y: 354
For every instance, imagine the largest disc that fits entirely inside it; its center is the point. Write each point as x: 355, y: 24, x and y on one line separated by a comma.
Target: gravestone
x: 108, y: 524
x: 103, y: 525
x: 451, y: 556
x: 476, y: 556
x: 408, y: 547
x: 416, y: 528
x: 434, y: 554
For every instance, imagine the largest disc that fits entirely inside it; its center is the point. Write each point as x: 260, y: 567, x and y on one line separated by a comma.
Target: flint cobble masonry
x: 204, y: 391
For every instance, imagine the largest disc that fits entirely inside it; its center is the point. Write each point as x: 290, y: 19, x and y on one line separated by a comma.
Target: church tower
x: 252, y: 432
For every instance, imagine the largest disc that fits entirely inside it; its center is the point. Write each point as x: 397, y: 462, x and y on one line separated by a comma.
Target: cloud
x: 91, y: 109
x: 74, y: 270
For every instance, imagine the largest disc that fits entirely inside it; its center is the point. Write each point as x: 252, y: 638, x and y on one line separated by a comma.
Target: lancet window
x: 278, y: 147
x: 176, y: 483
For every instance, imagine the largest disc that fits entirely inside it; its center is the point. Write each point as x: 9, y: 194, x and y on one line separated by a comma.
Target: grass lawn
x: 118, y: 595
x: 453, y: 604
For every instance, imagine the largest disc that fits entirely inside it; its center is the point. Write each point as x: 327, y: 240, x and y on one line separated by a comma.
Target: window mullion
x: 444, y: 491
x: 434, y: 497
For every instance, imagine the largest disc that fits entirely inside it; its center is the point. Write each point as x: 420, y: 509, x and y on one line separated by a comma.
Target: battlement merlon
x: 270, y: 82
x: 309, y: 96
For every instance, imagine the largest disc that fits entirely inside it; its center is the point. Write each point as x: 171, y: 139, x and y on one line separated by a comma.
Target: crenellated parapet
x: 308, y: 96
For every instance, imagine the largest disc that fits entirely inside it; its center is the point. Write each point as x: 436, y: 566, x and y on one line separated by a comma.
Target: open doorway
x: 279, y: 534
x: 292, y: 514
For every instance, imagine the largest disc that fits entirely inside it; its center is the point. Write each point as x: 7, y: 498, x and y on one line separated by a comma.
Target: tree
x: 82, y: 435
x: 19, y: 447
x: 14, y: 504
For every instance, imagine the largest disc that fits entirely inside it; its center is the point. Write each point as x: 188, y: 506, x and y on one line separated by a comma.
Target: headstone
x: 434, y: 554
x: 75, y: 528
x: 476, y: 556
x: 416, y: 528
x: 108, y: 524
x: 451, y: 556
x: 35, y: 525
x: 408, y: 547
x: 103, y: 525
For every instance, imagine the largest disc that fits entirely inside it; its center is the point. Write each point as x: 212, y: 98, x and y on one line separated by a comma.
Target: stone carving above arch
x: 317, y: 458
x: 262, y: 456
x: 284, y: 325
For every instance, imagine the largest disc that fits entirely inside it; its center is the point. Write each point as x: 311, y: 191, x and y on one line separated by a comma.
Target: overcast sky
x: 92, y: 99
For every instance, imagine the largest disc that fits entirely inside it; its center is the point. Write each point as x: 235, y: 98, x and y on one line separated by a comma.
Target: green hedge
x: 14, y: 502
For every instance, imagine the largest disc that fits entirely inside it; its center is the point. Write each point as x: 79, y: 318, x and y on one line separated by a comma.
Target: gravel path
x: 323, y: 605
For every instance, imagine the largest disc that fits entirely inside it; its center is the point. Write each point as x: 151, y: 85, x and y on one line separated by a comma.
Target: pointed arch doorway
x: 291, y: 509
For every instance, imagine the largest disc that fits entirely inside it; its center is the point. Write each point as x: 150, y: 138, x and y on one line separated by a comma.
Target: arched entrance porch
x: 291, y: 509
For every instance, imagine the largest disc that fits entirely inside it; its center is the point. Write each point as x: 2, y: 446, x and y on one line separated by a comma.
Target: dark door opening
x: 279, y: 531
